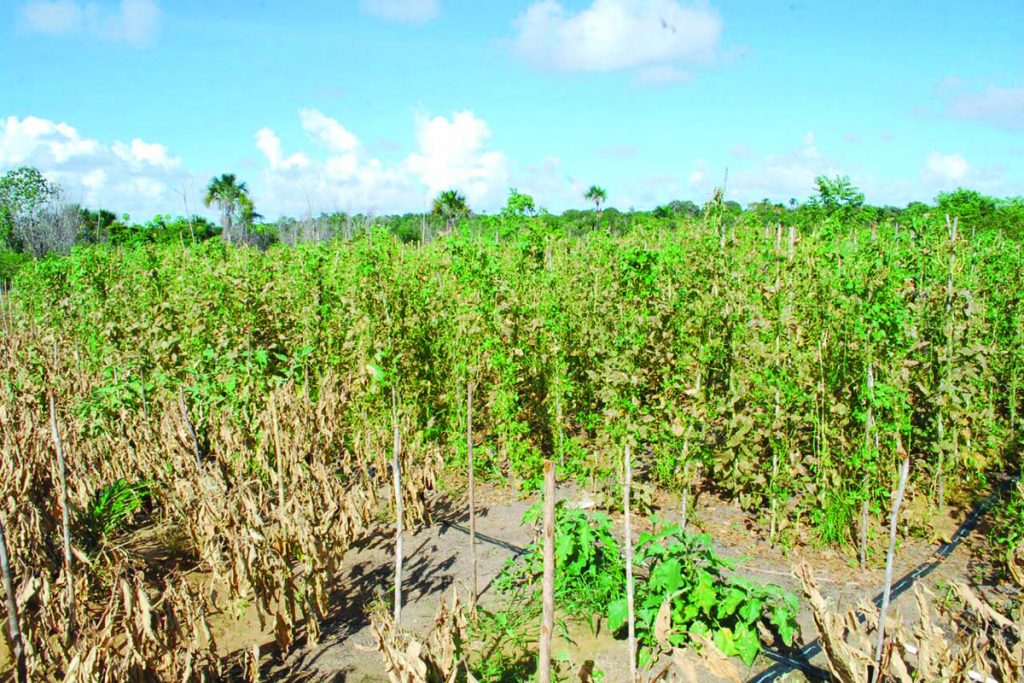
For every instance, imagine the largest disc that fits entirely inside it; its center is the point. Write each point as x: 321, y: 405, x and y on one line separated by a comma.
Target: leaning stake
x: 629, y: 570
x: 904, y: 471
x: 547, y: 623
x: 13, y: 626
x: 65, y: 520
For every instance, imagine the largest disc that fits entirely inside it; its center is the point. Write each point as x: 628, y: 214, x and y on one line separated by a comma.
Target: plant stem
x: 889, y: 557
x: 13, y: 625
x: 547, y: 623
x: 629, y: 569
x: 399, y: 508
x: 472, y: 493
x: 188, y: 424
x: 277, y: 454
x: 65, y: 521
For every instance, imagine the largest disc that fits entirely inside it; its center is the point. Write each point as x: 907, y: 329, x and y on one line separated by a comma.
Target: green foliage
x: 24, y: 195
x: 112, y: 510
x: 1007, y: 531
x: 450, y: 205
x: 975, y: 210
x: 588, y: 567
x: 598, y: 195
x: 232, y: 198
x: 10, y: 263
x: 720, y: 349
x: 682, y: 571
x: 519, y: 204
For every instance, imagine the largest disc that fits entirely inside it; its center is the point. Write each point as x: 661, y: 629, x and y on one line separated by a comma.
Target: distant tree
x: 450, y: 205
x: 974, y: 209
x: 597, y: 195
x: 838, y: 196
x: 232, y: 198
x: 25, y: 195
x: 96, y: 225
x: 519, y: 204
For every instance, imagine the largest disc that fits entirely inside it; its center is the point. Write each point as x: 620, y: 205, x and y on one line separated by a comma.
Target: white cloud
x: 269, y: 145
x: 945, y: 169
x: 139, y: 177
x: 139, y: 154
x: 452, y: 155
x: 55, y: 18
x: 402, y: 11
x: 134, y: 22
x: 653, y: 36
x: 329, y: 131
x: 1000, y: 107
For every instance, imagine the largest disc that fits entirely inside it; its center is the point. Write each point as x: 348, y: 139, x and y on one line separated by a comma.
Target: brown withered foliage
x: 221, y: 520
x: 950, y: 641
x: 437, y: 659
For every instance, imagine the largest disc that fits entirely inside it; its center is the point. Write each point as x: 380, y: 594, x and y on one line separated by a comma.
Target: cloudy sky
x: 376, y: 105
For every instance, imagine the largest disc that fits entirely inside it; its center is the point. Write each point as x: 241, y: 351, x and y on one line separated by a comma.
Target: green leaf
x: 667, y: 577
x: 617, y: 614
x: 747, y: 644
x: 726, y: 642
x: 750, y: 611
x: 784, y: 620
x: 727, y: 605
x: 704, y: 595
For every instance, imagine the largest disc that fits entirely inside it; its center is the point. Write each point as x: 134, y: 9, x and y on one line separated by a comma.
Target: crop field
x: 200, y: 440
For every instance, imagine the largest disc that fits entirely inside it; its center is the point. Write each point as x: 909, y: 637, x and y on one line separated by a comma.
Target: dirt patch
x: 438, y: 560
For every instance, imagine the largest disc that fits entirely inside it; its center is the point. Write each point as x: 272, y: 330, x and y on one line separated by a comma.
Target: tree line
x: 36, y: 218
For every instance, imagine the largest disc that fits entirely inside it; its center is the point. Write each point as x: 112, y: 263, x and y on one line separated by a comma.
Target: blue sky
x: 376, y: 105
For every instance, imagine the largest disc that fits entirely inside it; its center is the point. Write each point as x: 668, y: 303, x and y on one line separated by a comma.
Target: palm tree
x: 597, y: 195
x: 229, y: 195
x: 450, y: 205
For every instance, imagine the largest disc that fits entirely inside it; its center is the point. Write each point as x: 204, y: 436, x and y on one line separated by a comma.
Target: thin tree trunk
x: 13, y: 625
x: 889, y: 557
x: 472, y: 487
x: 629, y: 569
x: 547, y: 623
x: 396, y: 469
x: 65, y: 521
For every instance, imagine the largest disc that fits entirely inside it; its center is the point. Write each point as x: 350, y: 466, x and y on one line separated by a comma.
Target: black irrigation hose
x: 514, y: 549
x: 801, y: 660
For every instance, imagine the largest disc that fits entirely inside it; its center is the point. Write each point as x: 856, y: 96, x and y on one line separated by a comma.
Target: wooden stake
x: 889, y: 557
x: 277, y: 455
x: 472, y: 493
x: 188, y: 424
x: 396, y: 469
x: 629, y: 569
x: 13, y: 625
x: 65, y: 521
x: 547, y: 624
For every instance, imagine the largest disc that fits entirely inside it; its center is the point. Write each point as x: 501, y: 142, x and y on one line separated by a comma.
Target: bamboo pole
x: 628, y: 479
x: 472, y: 489
x: 65, y: 520
x: 547, y: 623
x: 396, y: 469
x: 13, y: 625
x: 889, y: 557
